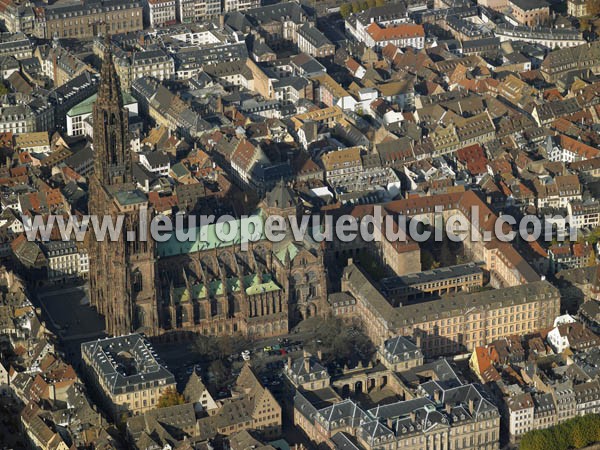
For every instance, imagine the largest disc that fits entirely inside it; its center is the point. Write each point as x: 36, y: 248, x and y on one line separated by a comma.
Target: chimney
x: 471, y: 405
x: 350, y: 261
x: 418, y: 340
x: 448, y: 408
x: 305, y: 353
x: 289, y: 362
x: 413, y: 416
x: 390, y: 423
x: 436, y: 396
x: 307, y: 364
x: 320, y: 355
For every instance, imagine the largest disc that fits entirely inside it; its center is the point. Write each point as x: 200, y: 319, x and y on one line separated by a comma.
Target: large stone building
x: 559, y: 63
x: 87, y: 19
x: 455, y: 324
x: 530, y: 12
x: 441, y: 413
x: 211, y: 285
x: 126, y: 373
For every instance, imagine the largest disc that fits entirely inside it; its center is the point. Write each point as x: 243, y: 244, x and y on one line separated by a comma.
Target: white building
x: 4, y: 381
x: 584, y: 214
x: 159, y: 13
x: 84, y: 263
x: 17, y: 119
x: 548, y: 37
x: 10, y: 221
x: 386, y: 15
x: 189, y: 11
x: 239, y: 5
x: 78, y: 114
x: 520, y: 414
x: 63, y: 260
x: 402, y: 35
x: 156, y: 162
x: 567, y: 149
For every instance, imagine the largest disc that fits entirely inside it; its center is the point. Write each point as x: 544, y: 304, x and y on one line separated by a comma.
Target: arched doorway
x: 358, y: 387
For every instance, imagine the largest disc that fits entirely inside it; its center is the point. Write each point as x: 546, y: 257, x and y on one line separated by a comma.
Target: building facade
x: 160, y: 13
x: 88, y: 19
x: 210, y: 285
x: 126, y: 373
x: 465, y: 322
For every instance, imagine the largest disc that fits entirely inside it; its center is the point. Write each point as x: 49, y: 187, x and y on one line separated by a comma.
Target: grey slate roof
x: 143, y: 369
x: 281, y: 196
x: 401, y: 347
x: 313, y: 35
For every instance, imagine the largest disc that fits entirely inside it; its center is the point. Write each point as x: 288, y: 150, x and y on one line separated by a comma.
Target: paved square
x: 70, y: 314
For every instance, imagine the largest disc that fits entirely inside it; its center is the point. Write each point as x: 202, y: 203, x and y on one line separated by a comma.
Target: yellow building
x: 126, y: 373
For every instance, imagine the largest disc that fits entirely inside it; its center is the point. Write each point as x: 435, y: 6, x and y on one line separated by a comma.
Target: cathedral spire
x: 111, y: 136
x: 109, y: 81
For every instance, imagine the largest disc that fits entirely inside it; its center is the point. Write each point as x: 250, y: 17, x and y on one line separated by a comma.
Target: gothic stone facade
x: 219, y: 291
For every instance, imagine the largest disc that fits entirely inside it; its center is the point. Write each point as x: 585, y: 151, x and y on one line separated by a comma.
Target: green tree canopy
x: 345, y: 10
x: 170, y: 397
x: 578, y: 432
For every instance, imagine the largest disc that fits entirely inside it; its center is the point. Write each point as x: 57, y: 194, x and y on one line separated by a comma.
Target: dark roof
x: 144, y: 366
x: 157, y: 159
x: 527, y: 5
x: 313, y: 35
x: 281, y: 196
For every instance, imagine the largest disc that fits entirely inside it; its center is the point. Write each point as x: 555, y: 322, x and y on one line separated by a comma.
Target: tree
x: 345, y: 10
x: 447, y: 257
x: 170, y: 397
x: 219, y: 371
x: 355, y: 7
x: 371, y: 3
x: 593, y: 7
x: 578, y: 432
x: 379, y: 2
x: 340, y: 344
x: 428, y: 262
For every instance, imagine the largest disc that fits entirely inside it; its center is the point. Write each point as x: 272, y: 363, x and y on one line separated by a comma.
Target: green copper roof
x: 179, y: 170
x: 126, y: 198
x: 85, y: 107
x: 206, y: 237
x: 290, y: 248
x: 233, y: 284
x: 183, y: 295
x: 254, y: 285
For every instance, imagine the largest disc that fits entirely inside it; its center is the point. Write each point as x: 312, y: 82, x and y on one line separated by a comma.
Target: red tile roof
x: 405, y: 30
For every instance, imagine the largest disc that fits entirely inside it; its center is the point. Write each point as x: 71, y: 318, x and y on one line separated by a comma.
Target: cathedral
x: 206, y: 286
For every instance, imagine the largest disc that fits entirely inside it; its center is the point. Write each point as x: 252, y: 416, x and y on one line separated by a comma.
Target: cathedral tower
x: 113, y: 156
x: 122, y: 271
